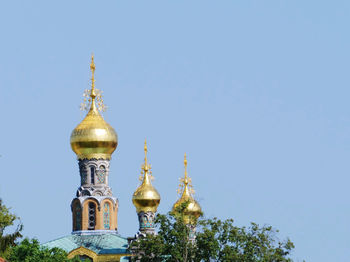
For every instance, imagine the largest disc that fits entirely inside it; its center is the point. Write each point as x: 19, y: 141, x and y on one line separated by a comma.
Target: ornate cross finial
x: 90, y: 95
x: 145, y: 168
x: 92, y: 67
x: 145, y: 148
x: 185, y: 182
x: 185, y: 164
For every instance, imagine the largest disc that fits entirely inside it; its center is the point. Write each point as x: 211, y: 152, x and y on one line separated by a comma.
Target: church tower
x: 146, y: 200
x: 94, y: 141
x: 94, y: 237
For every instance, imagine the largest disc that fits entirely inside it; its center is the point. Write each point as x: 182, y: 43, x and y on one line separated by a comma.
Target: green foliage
x: 31, y: 251
x: 222, y: 241
x: 171, y: 243
x: 7, y: 219
x: 216, y: 240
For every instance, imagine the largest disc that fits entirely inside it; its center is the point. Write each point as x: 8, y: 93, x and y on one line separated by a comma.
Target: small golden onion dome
x: 193, y: 210
x: 93, y: 137
x: 146, y: 198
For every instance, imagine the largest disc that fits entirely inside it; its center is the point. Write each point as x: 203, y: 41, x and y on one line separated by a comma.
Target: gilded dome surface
x: 146, y: 198
x: 192, y: 210
x: 93, y: 137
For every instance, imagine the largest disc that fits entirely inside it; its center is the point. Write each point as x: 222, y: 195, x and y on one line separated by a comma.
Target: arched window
x: 83, y: 176
x: 106, y: 216
x: 92, y: 174
x: 101, y: 174
x: 77, y: 214
x: 92, y: 216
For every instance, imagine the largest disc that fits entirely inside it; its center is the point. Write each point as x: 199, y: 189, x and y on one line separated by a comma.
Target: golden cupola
x: 193, y: 210
x: 94, y: 138
x: 146, y: 198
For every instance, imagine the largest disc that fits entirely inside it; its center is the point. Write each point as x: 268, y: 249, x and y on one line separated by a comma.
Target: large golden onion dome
x: 193, y: 210
x: 93, y: 137
x: 146, y: 198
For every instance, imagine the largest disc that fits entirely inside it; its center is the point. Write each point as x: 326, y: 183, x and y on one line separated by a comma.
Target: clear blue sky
x: 255, y: 92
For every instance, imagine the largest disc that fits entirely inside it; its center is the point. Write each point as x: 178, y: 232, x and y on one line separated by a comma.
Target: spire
x: 146, y: 172
x: 186, y: 184
x: 185, y: 164
x: 93, y: 101
x: 145, y: 168
x: 92, y: 67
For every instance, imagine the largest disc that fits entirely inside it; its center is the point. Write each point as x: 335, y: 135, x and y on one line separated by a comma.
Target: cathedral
x: 94, y: 209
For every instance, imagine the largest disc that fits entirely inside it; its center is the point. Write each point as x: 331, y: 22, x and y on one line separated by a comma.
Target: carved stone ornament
x: 146, y: 221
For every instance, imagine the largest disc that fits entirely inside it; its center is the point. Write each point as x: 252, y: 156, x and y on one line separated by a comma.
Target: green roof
x: 100, y: 244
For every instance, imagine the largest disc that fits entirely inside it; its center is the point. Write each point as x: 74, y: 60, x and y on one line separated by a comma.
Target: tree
x: 31, y: 251
x: 216, y: 240
x: 8, y: 219
x: 222, y: 241
x: 27, y: 250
